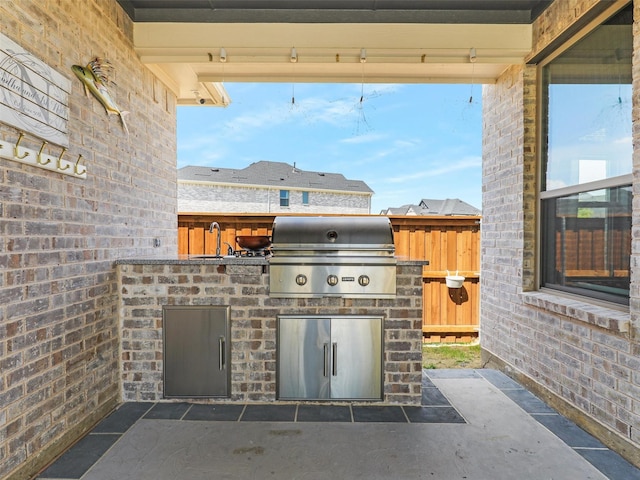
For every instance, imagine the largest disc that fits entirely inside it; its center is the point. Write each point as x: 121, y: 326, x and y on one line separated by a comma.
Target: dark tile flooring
x: 435, y: 409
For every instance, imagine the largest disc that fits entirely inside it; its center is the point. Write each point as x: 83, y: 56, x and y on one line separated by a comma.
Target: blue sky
x: 407, y: 142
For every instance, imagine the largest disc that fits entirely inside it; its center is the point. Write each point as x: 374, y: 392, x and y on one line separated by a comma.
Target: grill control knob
x: 301, y: 279
x: 363, y: 280
x: 332, y: 280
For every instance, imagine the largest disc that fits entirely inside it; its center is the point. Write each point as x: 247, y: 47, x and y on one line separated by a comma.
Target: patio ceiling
x: 195, y: 45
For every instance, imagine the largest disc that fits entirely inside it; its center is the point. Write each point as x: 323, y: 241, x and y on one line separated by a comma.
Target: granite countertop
x: 193, y: 260
x: 217, y: 260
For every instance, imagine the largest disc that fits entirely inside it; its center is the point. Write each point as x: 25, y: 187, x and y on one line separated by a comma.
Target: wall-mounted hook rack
x: 39, y: 159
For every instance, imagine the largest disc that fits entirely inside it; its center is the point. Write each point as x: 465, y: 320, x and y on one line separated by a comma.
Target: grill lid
x: 349, y: 257
x: 372, y: 233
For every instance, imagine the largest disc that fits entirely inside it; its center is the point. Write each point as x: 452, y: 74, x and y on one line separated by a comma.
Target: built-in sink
x: 225, y: 257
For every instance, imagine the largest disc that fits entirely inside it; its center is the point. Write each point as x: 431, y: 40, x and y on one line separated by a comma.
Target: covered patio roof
x: 196, y: 45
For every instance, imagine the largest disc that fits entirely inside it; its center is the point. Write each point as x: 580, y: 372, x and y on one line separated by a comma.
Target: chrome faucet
x: 213, y: 226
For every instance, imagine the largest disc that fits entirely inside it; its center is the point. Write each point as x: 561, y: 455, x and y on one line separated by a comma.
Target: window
x: 586, y: 164
x: 305, y: 198
x: 284, y: 198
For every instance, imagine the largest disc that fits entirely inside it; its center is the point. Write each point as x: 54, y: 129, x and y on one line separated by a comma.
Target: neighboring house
x: 427, y: 206
x: 269, y: 187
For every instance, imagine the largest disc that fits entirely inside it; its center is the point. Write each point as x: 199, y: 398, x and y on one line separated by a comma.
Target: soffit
x: 403, y: 41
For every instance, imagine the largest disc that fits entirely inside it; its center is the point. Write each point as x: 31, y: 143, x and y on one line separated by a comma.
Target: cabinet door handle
x: 325, y: 350
x: 334, y: 369
x: 221, y: 355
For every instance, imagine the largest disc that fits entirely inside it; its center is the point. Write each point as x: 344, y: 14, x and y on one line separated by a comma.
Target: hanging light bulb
x: 472, y: 59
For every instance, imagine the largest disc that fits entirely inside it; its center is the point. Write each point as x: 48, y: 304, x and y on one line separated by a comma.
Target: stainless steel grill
x: 349, y: 257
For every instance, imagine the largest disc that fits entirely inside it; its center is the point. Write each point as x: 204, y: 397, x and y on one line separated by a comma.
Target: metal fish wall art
x: 95, y: 79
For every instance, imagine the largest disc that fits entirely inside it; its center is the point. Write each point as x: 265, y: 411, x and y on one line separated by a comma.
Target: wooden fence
x: 594, y: 249
x: 450, y: 244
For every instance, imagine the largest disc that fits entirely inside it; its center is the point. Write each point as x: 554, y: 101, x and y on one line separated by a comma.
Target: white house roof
x: 428, y: 206
x: 272, y: 174
x: 448, y: 206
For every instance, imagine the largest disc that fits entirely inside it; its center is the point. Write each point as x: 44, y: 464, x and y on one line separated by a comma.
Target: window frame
x: 557, y: 193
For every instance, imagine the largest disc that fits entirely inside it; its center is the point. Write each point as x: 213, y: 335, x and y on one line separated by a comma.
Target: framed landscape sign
x: 34, y: 97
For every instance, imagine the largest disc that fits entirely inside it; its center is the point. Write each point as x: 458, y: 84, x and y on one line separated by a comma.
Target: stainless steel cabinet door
x: 303, y: 358
x: 356, y: 358
x: 330, y: 358
x: 196, y: 353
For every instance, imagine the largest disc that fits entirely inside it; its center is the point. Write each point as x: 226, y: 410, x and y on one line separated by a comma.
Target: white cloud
x: 406, y: 143
x: 444, y: 169
x: 624, y: 141
x: 365, y: 138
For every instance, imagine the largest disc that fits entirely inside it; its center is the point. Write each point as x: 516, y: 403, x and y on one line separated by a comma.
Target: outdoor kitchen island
x: 241, y: 284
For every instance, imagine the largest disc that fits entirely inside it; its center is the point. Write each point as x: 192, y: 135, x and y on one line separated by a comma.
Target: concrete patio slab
x: 490, y: 436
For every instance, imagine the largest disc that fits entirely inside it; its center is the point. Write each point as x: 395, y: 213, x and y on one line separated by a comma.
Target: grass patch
x: 450, y: 356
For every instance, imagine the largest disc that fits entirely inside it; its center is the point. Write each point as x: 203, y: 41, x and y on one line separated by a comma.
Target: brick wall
x: 581, y: 357
x: 59, y: 235
x: 218, y: 198
x: 146, y: 287
x: 561, y: 17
